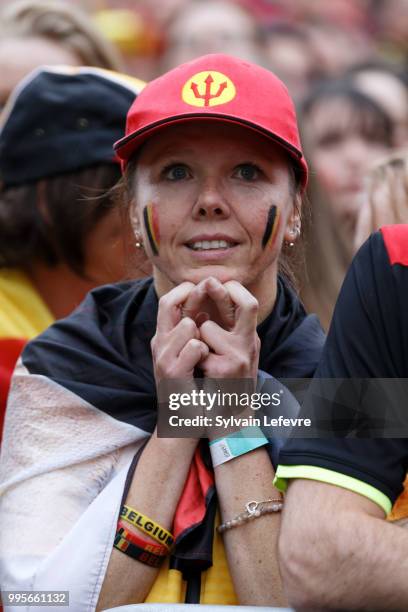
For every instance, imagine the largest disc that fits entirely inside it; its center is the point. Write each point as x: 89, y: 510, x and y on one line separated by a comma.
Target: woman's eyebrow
x: 174, y: 151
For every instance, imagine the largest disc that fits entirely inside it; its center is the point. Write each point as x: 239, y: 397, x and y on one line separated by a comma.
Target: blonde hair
x: 63, y: 24
x: 387, y: 201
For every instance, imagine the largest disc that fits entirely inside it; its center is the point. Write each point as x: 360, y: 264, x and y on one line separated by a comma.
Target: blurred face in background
x: 392, y: 95
x: 212, y: 27
x: 18, y: 56
x: 392, y: 19
x: 291, y: 56
x: 343, y: 142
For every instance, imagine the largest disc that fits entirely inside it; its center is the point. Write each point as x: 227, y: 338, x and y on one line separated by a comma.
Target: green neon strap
x: 311, y: 472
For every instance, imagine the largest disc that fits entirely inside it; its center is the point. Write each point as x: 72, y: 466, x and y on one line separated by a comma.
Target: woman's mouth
x: 209, y: 245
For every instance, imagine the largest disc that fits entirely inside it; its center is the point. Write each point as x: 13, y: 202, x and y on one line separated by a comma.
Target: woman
x: 386, y: 84
x: 60, y: 234
x: 340, y: 152
x: 198, y: 27
x: 214, y: 172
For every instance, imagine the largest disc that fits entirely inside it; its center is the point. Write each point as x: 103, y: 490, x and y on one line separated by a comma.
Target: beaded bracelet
x: 253, y: 510
x: 133, y: 538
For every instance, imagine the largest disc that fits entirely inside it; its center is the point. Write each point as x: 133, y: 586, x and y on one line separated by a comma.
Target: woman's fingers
x: 222, y: 299
x: 246, y: 312
x: 168, y: 347
x: 173, y: 335
x: 192, y: 353
x: 210, y: 300
x: 169, y: 313
x: 226, y: 345
x: 215, y: 337
x: 194, y: 302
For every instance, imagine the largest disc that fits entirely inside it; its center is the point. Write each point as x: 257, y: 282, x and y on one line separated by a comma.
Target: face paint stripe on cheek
x: 271, y: 227
x: 154, y: 218
x: 150, y: 221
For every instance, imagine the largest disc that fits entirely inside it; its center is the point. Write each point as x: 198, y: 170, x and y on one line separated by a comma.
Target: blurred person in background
x: 36, y: 32
x: 387, y: 202
x: 390, y: 19
x: 347, y: 14
x: 61, y: 233
x: 291, y: 55
x: 385, y: 83
x: 135, y: 29
x: 344, y: 132
x: 337, y: 47
x: 212, y: 26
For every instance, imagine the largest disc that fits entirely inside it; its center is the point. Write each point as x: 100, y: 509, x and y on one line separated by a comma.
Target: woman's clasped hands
x: 210, y: 326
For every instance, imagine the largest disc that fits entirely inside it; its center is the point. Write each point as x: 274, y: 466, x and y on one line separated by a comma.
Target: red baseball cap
x: 218, y: 88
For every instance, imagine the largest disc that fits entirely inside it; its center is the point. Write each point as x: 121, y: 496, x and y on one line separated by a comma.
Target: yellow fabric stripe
x: 312, y: 472
x: 400, y: 508
x: 23, y: 314
x: 216, y: 582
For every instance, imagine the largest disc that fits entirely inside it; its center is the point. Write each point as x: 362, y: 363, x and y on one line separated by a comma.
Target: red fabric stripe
x: 396, y: 242
x: 10, y: 349
x: 191, y: 507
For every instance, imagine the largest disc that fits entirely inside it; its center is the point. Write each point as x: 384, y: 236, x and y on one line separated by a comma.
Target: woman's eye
x: 330, y: 140
x: 248, y: 172
x: 176, y: 172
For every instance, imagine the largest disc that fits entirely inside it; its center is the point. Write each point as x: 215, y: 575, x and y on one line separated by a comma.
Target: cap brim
x: 127, y: 146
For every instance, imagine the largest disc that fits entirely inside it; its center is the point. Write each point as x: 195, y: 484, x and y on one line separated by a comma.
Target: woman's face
x: 108, y: 250
x: 340, y: 155
x: 213, y: 199
x: 390, y: 94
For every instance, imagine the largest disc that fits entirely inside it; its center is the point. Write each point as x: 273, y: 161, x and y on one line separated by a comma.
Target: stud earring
x: 295, y: 232
x: 139, y: 241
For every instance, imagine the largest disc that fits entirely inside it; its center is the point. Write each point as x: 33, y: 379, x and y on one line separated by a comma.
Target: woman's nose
x: 357, y: 151
x: 211, y: 202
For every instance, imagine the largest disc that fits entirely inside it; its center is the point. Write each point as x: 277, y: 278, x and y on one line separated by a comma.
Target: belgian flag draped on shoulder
x: 82, y: 406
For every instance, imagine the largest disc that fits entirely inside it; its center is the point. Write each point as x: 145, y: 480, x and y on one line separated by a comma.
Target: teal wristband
x: 236, y: 444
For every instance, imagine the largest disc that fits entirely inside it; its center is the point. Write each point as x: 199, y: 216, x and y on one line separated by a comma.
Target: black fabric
x: 368, y: 338
x: 62, y: 121
x: 102, y: 354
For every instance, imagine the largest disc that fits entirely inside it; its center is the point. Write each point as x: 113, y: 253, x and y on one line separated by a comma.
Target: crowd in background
x: 344, y: 62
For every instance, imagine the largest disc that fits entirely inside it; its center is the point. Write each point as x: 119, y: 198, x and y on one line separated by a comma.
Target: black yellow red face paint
x: 151, y: 222
x: 272, y: 223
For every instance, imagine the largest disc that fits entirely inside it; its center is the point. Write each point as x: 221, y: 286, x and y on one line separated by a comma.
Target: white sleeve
x: 62, y: 474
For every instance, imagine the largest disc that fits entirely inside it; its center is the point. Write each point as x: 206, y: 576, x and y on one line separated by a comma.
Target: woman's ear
x: 294, y: 222
x: 134, y: 217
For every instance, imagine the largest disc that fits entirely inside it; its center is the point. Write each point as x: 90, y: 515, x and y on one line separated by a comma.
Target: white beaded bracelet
x: 253, y: 510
